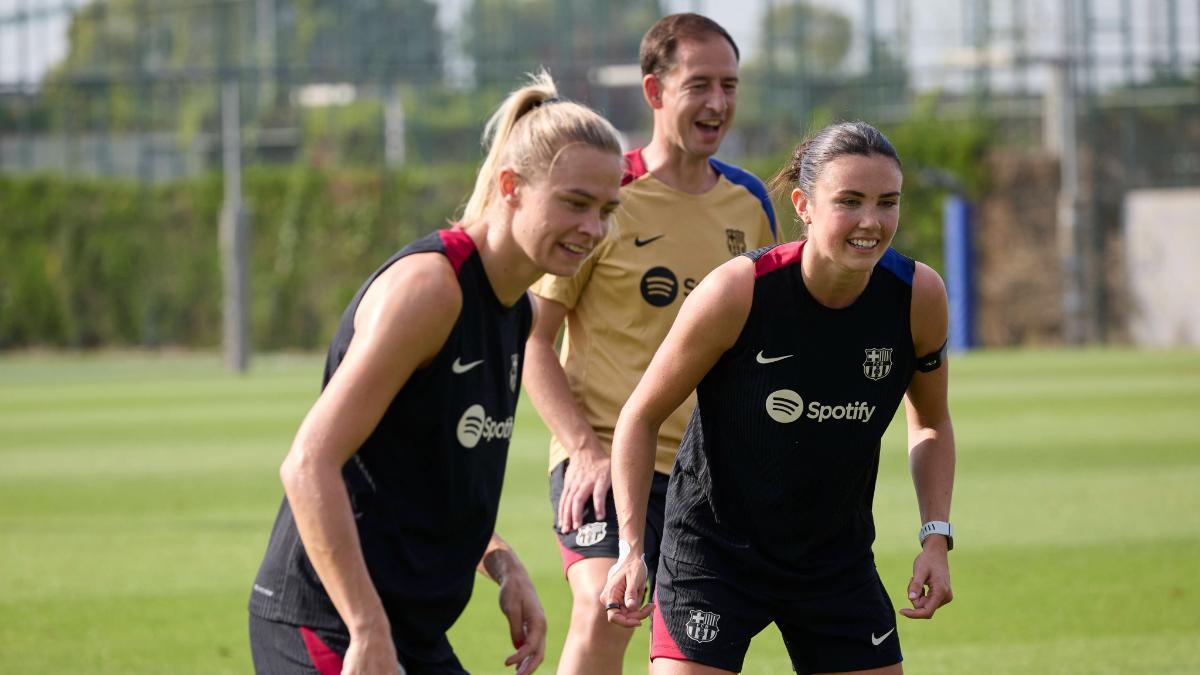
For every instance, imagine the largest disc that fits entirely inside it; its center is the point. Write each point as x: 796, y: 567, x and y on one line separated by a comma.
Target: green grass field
x: 137, y: 492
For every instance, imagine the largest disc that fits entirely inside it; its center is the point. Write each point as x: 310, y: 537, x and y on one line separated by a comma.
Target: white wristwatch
x: 938, y: 527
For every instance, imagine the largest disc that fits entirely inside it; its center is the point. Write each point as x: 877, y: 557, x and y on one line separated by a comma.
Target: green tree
x: 940, y: 156
x: 801, y: 81
x: 505, y: 38
x: 139, y: 64
x: 801, y: 38
x: 802, y: 47
x: 361, y: 39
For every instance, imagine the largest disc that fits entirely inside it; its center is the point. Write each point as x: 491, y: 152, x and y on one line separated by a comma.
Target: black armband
x: 932, y: 361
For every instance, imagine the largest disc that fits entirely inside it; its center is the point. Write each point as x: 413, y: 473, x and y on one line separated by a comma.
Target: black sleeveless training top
x: 776, y: 473
x: 425, y: 486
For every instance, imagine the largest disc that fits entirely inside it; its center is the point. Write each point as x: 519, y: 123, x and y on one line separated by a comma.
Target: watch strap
x: 938, y: 527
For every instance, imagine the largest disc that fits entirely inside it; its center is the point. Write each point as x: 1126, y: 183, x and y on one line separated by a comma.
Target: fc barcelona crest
x: 702, y: 627
x: 878, y: 363
x: 592, y: 533
x: 736, y: 239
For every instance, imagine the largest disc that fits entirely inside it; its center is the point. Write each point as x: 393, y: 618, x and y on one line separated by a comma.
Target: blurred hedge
x: 102, y: 262
x: 106, y: 262
x: 939, y: 157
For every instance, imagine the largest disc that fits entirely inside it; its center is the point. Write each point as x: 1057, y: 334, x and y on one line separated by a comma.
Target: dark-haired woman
x: 799, y: 353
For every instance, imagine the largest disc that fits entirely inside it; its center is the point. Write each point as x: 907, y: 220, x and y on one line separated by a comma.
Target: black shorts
x: 283, y: 649
x: 598, y: 539
x: 709, y: 618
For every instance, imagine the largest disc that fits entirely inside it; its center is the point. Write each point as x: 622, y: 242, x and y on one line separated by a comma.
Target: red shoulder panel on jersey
x: 635, y: 167
x: 780, y: 256
x: 459, y: 246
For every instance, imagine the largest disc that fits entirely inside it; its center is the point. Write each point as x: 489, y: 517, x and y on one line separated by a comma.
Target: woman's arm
x: 708, y: 324
x: 402, y: 322
x: 519, y: 602
x: 587, y: 475
x: 930, y: 444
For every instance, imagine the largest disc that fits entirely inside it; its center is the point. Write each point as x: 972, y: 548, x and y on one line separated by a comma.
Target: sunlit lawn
x: 137, y: 492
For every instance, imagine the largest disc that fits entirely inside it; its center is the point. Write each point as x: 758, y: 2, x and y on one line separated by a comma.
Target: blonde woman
x: 393, y: 481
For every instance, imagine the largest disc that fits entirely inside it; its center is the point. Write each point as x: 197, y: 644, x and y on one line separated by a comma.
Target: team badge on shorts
x: 592, y: 533
x: 878, y: 363
x: 512, y: 374
x: 702, y: 627
x: 736, y: 240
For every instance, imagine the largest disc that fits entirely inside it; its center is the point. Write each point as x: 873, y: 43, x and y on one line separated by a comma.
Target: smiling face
x: 694, y: 100
x: 559, y: 218
x: 854, y: 211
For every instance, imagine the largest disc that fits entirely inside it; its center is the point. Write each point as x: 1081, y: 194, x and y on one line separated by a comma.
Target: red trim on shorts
x: 662, y: 645
x: 459, y: 246
x: 635, y: 167
x: 324, y: 659
x: 780, y: 256
x: 569, y: 557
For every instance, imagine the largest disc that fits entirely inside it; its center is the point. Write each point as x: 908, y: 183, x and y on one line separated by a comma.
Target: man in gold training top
x: 682, y: 214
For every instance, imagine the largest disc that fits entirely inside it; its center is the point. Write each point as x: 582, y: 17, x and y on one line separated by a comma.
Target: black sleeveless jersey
x: 425, y: 486
x: 776, y: 473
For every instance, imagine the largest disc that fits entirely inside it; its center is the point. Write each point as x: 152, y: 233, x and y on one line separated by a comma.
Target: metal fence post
x: 233, y: 237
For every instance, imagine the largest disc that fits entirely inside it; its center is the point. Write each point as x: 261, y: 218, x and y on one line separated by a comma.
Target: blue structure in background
x: 957, y: 236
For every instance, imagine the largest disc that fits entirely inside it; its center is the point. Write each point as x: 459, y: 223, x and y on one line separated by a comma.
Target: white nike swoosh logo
x: 773, y: 359
x: 460, y: 368
x: 879, y: 640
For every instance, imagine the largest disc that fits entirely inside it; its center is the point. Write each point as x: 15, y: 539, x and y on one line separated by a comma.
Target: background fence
x: 357, y: 123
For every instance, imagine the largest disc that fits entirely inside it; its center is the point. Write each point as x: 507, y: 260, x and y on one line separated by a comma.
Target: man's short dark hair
x: 657, y: 53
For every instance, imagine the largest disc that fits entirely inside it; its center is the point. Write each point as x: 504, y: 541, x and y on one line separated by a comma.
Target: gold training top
x: 624, y: 298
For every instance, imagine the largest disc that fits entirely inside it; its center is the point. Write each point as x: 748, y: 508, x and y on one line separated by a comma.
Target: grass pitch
x: 137, y: 492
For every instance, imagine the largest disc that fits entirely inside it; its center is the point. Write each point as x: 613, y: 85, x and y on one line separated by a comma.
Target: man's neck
x: 690, y: 174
